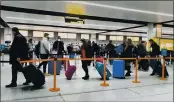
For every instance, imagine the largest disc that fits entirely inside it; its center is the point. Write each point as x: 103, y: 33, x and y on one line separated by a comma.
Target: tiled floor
x: 150, y: 88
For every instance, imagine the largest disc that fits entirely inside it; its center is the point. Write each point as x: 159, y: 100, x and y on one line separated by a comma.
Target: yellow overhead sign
x: 75, y: 8
x: 167, y: 43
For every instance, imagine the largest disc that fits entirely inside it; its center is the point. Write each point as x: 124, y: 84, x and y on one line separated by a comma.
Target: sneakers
x: 46, y: 74
x: 27, y: 83
x: 127, y: 74
x: 85, y: 78
x: 11, y: 85
x: 152, y: 74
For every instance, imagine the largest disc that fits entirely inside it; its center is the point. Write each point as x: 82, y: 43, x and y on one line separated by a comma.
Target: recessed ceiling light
x: 121, y: 8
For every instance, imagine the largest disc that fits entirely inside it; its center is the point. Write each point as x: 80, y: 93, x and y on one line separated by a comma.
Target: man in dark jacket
x: 128, y: 53
x: 95, y: 48
x: 155, y: 52
x: 110, y: 48
x: 58, y: 46
x: 19, y: 49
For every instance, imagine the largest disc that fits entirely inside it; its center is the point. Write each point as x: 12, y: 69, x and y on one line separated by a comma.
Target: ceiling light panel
x: 122, y: 8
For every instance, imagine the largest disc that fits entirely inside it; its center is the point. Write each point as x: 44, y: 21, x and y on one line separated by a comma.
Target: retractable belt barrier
x: 104, y: 84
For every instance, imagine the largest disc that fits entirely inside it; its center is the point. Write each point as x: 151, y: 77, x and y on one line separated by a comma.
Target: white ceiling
x: 151, y: 11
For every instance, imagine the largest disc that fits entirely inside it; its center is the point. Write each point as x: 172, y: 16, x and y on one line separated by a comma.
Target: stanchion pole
x: 136, y: 72
x: 104, y: 84
x: 54, y: 89
x: 163, y: 70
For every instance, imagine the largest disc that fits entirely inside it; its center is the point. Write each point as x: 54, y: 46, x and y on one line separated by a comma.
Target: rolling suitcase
x: 51, y: 67
x: 118, y: 69
x: 144, y: 64
x: 159, y: 69
x: 70, y: 71
x: 34, y: 75
x: 100, y: 69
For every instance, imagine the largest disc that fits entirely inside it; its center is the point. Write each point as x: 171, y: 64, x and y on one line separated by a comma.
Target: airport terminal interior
x: 76, y: 23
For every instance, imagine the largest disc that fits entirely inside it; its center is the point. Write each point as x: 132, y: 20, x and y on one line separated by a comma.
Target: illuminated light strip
x: 19, y: 18
x: 121, y: 8
x: 69, y: 24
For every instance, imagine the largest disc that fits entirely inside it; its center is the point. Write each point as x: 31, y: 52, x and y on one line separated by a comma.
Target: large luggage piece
x: 144, y: 64
x: 70, y: 71
x: 100, y: 69
x: 118, y: 69
x: 34, y: 75
x: 159, y: 69
x: 51, y: 66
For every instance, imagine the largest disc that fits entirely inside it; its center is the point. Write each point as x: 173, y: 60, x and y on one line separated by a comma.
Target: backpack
x: 37, y: 49
x: 119, y: 49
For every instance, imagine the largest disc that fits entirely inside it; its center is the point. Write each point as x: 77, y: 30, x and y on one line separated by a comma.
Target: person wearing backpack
x: 85, y: 54
x: 142, y: 52
x: 128, y: 53
x: 155, y: 52
x: 44, y: 51
x: 37, y: 49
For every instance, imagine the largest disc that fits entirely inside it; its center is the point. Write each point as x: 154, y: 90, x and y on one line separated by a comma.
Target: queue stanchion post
x: 136, y: 72
x: 54, y: 89
x: 163, y: 69
x: 104, y: 84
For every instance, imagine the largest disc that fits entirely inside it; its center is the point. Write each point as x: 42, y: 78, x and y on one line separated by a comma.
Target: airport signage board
x: 75, y: 9
x: 167, y: 43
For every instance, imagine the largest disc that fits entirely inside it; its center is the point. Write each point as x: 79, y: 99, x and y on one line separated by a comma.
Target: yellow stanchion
x: 104, y: 84
x: 136, y: 73
x: 163, y: 70
x: 54, y: 89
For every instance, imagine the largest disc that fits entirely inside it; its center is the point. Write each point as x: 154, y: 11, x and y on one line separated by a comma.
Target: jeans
x: 43, y: 56
x: 153, y: 63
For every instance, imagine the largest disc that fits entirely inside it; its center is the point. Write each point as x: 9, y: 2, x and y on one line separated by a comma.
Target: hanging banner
x: 75, y: 9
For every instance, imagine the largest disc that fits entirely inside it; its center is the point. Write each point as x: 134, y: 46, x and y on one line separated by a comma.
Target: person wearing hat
x: 19, y: 49
x: 44, y: 51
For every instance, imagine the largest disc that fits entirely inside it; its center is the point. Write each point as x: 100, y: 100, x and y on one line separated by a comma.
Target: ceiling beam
x: 3, y: 23
x: 63, y: 14
x: 167, y: 22
x: 32, y: 24
x: 122, y: 29
x: 168, y: 25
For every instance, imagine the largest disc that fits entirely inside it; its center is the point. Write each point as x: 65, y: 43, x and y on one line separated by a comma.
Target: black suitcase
x: 145, y: 65
x: 159, y: 69
x: 34, y: 75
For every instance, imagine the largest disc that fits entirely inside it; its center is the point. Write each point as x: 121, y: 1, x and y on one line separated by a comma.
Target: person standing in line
x: 84, y: 51
x: 44, y: 52
x: 30, y: 45
x: 127, y: 53
x: 58, y: 46
x: 155, y: 52
x: 110, y: 48
x: 19, y: 49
